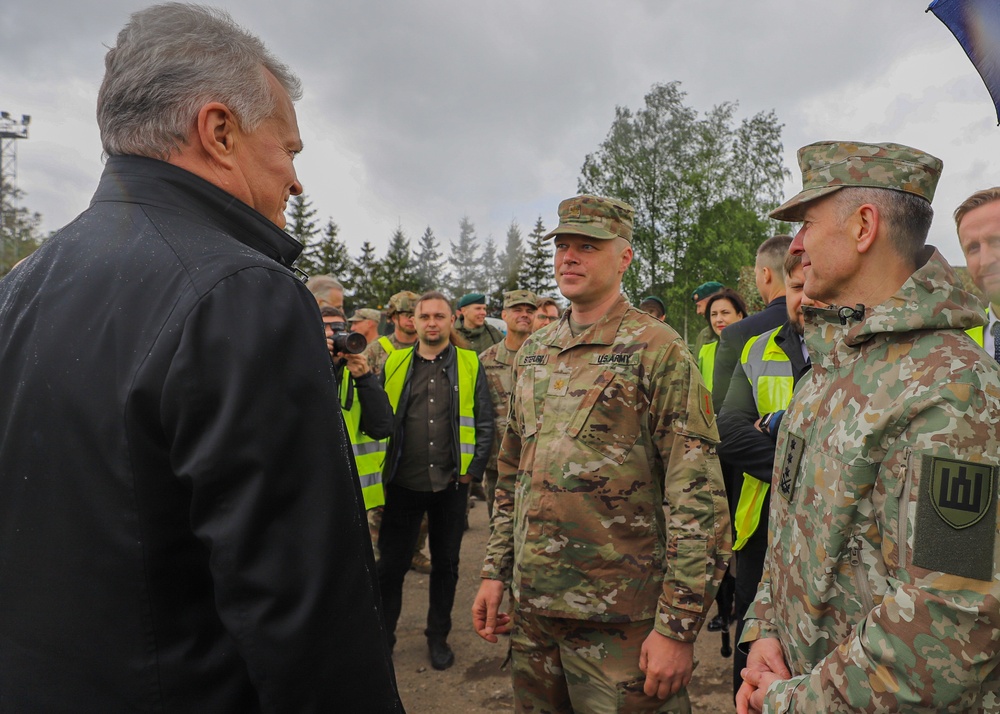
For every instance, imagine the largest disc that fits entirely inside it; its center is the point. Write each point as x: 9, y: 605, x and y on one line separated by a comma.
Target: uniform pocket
x: 608, y: 419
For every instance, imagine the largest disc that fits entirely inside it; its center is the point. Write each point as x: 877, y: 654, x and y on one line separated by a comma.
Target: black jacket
x: 180, y: 529
x: 733, y: 339
x: 482, y: 409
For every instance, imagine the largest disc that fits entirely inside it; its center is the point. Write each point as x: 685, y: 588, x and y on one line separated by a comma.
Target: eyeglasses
x: 335, y: 326
x: 546, y: 318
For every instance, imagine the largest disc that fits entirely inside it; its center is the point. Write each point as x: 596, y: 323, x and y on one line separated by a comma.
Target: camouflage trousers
x: 562, y: 666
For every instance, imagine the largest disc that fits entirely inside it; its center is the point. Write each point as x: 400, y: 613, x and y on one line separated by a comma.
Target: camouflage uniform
x: 498, y: 364
x: 886, y: 597
x: 479, y: 338
x: 602, y: 427
x: 376, y: 354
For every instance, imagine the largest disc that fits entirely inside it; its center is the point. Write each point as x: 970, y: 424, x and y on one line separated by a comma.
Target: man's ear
x: 768, y: 275
x: 217, y: 131
x: 866, y: 227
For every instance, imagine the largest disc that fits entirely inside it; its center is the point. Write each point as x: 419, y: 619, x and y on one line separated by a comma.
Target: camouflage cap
x: 706, y: 290
x: 405, y: 301
x: 594, y: 217
x: 519, y: 297
x: 831, y: 165
x: 365, y: 313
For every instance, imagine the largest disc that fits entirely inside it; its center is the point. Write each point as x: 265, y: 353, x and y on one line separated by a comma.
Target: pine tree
x: 537, y: 272
x: 396, y: 270
x: 429, y: 272
x: 464, y: 260
x: 327, y: 255
x: 365, y: 273
x: 512, y: 259
x: 301, y: 226
x: 491, y: 284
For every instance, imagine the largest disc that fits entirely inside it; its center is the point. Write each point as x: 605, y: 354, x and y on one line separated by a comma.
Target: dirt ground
x: 475, y: 684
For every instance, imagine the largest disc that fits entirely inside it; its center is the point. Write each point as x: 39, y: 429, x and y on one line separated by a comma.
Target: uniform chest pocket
x: 610, y: 415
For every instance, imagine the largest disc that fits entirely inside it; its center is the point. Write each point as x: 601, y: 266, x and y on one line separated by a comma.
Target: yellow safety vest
x: 369, y: 454
x: 770, y: 374
x: 706, y: 362
x: 397, y: 368
x: 386, y: 344
x: 979, y: 333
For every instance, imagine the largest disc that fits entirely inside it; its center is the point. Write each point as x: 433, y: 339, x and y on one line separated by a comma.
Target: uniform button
x: 432, y: 421
x: 432, y: 400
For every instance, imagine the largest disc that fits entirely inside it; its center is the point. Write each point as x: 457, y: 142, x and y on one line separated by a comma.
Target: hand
x: 465, y: 478
x: 765, y: 664
x: 487, y: 621
x: 667, y: 664
x: 356, y: 364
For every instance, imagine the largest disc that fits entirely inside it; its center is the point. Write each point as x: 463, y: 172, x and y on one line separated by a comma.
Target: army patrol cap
x: 471, y: 299
x: 706, y: 289
x: 405, y: 301
x: 828, y: 166
x: 365, y: 313
x: 519, y: 297
x: 594, y: 217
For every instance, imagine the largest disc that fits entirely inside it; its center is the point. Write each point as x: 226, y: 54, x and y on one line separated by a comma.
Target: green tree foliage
x: 327, y: 254
x: 537, y: 273
x: 19, y: 237
x: 512, y: 259
x: 396, y: 271
x: 428, y: 264
x: 300, y: 224
x: 701, y: 184
x: 365, y: 279
x: 465, y: 275
x: 491, y: 283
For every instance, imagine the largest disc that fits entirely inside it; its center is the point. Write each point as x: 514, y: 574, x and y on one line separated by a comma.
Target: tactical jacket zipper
x: 864, y: 589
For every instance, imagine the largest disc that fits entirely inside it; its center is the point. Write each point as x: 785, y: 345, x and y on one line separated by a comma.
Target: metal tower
x: 10, y: 131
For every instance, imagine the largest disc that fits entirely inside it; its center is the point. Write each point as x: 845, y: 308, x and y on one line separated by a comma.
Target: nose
x: 797, y: 247
x: 296, y: 188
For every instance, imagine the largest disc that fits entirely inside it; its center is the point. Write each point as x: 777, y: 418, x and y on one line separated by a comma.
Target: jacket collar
x: 142, y: 180
x: 602, y: 332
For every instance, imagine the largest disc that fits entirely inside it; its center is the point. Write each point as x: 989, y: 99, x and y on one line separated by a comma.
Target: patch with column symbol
x: 956, y: 526
x: 790, y: 465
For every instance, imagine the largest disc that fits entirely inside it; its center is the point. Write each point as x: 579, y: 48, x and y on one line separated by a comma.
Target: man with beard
x: 404, y: 334
x: 441, y: 442
x: 498, y: 363
x: 769, y: 368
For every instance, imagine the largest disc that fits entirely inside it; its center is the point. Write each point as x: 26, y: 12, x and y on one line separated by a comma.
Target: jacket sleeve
x: 485, y: 426
x: 376, y: 412
x: 742, y: 443
x: 934, y: 639
x: 699, y: 543
x: 252, y: 420
x: 727, y: 356
x: 499, y: 561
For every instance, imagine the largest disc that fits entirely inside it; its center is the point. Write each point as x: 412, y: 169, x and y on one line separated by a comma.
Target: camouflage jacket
x: 498, y: 363
x: 602, y: 426
x: 479, y: 338
x: 881, y: 581
x: 376, y: 355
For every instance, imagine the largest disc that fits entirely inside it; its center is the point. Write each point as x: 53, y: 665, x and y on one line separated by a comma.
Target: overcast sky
x: 417, y: 113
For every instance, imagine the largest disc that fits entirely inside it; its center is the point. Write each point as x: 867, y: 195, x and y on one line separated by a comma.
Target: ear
x: 217, y: 131
x: 626, y: 258
x: 768, y: 275
x: 866, y: 227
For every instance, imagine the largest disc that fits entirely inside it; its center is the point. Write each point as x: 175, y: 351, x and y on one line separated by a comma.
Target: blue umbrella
x: 976, y: 26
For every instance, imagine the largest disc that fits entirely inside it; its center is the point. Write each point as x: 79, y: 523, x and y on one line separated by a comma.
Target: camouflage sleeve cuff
x: 681, y: 625
x: 754, y: 630
x: 780, y: 697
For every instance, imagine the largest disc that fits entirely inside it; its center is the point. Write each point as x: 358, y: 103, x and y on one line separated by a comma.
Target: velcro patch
x: 790, y: 465
x: 620, y: 358
x: 956, y: 517
x: 534, y: 359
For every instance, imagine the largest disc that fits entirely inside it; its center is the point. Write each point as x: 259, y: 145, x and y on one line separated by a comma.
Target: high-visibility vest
x: 386, y: 344
x: 770, y: 373
x: 397, y: 369
x: 706, y: 362
x: 979, y: 333
x: 369, y: 454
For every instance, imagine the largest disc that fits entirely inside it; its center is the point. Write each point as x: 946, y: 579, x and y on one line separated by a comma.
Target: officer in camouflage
x: 498, y: 365
x: 880, y: 591
x: 404, y: 334
x: 609, y: 416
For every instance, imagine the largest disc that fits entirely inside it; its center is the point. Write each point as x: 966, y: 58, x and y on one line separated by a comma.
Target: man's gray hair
x: 172, y: 59
x: 908, y: 216
x: 320, y: 285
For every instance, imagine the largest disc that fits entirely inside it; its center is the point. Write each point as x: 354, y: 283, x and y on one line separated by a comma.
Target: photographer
x: 366, y: 408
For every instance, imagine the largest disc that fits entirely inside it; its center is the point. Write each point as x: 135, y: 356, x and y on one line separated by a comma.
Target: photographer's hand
x: 357, y: 365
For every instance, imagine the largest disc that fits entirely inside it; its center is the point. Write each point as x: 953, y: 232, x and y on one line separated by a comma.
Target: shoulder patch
x: 790, y: 461
x: 956, y: 517
x: 533, y: 359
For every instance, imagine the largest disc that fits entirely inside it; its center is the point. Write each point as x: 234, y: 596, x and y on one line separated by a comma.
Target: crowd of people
x: 207, y: 507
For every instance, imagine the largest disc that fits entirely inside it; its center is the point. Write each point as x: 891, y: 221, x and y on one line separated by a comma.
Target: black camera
x: 349, y: 343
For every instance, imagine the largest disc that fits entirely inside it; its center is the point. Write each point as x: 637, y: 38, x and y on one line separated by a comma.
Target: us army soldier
x: 880, y: 586
x: 608, y: 416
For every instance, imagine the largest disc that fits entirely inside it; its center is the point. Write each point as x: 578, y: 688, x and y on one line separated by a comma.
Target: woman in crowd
x: 723, y: 309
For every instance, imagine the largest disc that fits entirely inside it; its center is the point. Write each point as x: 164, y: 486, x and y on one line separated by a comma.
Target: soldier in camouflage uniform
x: 498, y: 363
x: 881, y: 589
x: 404, y: 334
x: 609, y: 416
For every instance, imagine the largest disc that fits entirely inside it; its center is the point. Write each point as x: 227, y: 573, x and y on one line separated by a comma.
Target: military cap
x: 705, y: 290
x: 404, y: 301
x: 594, y: 217
x: 653, y: 298
x: 471, y: 299
x: 519, y: 297
x: 831, y: 165
x: 365, y: 313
